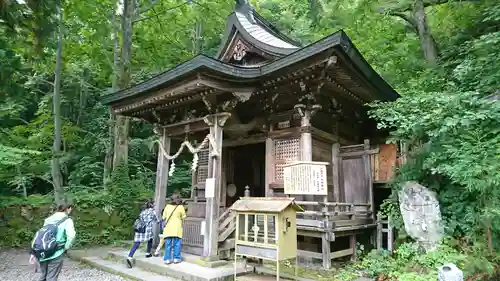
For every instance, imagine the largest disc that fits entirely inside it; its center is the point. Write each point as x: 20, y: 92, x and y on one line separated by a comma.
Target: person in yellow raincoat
x: 173, y: 214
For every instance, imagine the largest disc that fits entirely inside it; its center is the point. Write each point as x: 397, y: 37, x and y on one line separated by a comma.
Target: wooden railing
x: 192, y: 232
x: 332, y: 215
x: 384, y: 227
x: 227, y: 225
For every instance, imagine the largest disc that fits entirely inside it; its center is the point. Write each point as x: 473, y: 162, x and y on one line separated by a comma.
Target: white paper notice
x: 202, y: 228
x: 210, y: 188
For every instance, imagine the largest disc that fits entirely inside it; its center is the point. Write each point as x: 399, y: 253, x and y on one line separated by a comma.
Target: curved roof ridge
x: 259, y: 32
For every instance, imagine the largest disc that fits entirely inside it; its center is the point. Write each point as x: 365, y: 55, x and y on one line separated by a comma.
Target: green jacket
x: 65, y: 233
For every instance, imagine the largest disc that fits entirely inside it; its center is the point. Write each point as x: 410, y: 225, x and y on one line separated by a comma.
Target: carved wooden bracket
x: 242, y: 96
x: 210, y: 102
x: 306, y: 112
x: 156, y: 116
x: 240, y: 50
x: 220, y: 118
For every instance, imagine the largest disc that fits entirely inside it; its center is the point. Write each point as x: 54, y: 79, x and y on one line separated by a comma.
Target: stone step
x: 135, y: 273
x: 185, y: 270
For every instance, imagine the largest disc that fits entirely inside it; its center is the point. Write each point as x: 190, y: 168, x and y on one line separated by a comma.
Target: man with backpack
x: 52, y: 241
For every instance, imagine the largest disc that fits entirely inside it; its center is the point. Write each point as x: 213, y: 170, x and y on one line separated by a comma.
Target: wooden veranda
x: 261, y: 103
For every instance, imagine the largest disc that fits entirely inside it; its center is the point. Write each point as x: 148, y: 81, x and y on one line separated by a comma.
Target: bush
x: 101, y: 216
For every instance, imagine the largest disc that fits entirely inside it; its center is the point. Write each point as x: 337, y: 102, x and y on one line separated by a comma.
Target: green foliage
x: 451, y: 121
x: 409, y: 263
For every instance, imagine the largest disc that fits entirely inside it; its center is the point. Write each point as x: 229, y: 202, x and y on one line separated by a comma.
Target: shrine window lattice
x: 284, y: 151
x: 202, y: 170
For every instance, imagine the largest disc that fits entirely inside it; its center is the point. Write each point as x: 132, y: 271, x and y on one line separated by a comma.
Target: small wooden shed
x: 266, y: 228
x: 265, y: 225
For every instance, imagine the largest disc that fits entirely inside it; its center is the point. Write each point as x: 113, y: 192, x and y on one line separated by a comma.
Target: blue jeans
x: 175, y: 243
x: 136, y: 245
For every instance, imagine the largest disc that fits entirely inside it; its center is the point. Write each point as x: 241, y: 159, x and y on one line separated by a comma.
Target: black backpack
x: 140, y: 224
x: 44, y: 245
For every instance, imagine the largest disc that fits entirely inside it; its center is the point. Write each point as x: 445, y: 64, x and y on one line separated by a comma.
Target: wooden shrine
x: 262, y: 103
x: 266, y: 229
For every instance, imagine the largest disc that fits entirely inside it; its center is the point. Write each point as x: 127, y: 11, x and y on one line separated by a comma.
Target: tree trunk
x: 108, y: 160
x: 122, y: 122
x: 56, y: 149
x: 427, y: 42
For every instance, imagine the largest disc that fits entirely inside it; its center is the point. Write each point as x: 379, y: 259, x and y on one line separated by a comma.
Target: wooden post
x: 352, y: 245
x: 306, y: 113
x: 336, y: 175
x: 380, y: 233
x: 390, y: 235
x: 305, y: 136
x: 269, y: 166
x: 325, y: 237
x: 211, y: 237
x: 368, y: 175
x: 161, y: 180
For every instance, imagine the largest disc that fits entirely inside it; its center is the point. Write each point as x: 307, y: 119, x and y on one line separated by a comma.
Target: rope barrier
x: 194, y: 150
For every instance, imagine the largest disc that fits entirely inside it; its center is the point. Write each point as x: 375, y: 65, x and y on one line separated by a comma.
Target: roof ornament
x: 244, y: 7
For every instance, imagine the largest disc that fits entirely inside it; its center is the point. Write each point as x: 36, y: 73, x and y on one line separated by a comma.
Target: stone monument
x: 421, y: 215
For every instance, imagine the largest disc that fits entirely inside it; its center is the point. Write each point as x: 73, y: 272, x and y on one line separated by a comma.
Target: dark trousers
x: 51, y: 269
x: 136, y: 245
x: 173, y: 244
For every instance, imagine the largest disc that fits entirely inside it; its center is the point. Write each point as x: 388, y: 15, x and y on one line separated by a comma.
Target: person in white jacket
x: 50, y: 267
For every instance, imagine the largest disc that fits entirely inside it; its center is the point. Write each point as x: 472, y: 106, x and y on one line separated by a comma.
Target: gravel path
x: 14, y: 266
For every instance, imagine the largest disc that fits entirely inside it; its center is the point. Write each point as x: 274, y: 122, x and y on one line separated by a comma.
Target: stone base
x: 192, y: 268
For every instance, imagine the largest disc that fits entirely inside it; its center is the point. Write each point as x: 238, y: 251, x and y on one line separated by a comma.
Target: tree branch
x: 159, y: 13
x: 427, y: 3
x: 411, y: 21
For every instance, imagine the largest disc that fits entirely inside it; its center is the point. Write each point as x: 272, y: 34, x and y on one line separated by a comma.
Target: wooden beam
x: 341, y: 253
x: 161, y: 179
x: 190, y: 126
x: 252, y: 139
x: 158, y: 97
x: 360, y: 153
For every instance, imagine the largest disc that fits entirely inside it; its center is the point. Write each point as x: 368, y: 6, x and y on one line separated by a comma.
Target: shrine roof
x: 265, y: 205
x: 257, y: 31
x: 337, y: 43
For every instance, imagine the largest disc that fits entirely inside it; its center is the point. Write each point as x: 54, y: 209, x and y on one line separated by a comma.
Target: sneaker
x: 156, y: 254
x: 168, y: 262
x: 129, y: 262
x: 177, y: 261
x: 148, y: 255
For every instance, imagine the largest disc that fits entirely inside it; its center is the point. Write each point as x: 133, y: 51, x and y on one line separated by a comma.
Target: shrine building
x: 262, y: 102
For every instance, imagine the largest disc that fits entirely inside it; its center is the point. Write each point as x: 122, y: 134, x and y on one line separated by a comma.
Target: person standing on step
x: 50, y: 255
x: 143, y: 228
x: 174, y: 214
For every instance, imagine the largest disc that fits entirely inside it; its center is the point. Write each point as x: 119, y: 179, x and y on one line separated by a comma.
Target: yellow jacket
x: 173, y: 227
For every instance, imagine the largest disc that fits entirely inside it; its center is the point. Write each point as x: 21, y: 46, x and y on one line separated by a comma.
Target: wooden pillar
x: 337, y: 172
x: 369, y: 178
x: 305, y: 135
x: 211, y: 237
x: 306, y: 112
x: 269, y: 174
x: 390, y: 235
x: 325, y: 239
x: 352, y: 245
x: 161, y: 179
x: 380, y: 233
